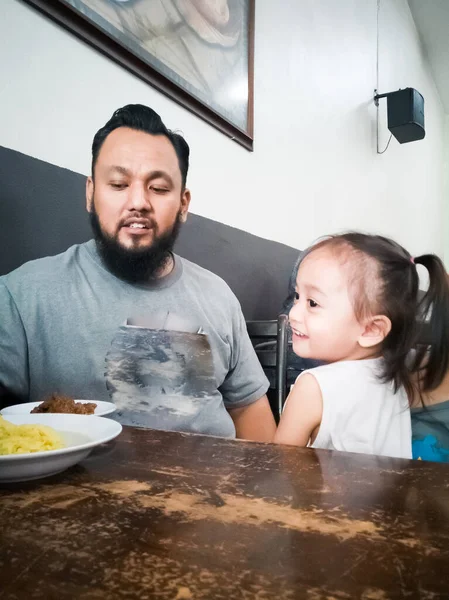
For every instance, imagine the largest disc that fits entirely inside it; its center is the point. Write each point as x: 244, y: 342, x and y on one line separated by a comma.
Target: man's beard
x: 134, y: 265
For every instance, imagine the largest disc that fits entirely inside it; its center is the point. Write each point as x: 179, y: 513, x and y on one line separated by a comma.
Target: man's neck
x: 167, y: 268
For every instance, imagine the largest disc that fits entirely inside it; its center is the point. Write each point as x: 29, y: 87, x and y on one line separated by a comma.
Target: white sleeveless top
x: 360, y: 413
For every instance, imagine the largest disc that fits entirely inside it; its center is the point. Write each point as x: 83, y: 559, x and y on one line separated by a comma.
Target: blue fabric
x: 430, y: 432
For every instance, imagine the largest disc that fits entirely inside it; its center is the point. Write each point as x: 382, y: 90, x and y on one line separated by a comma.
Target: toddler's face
x: 323, y: 322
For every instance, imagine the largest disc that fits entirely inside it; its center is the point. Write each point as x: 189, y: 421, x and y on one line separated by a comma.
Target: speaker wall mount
x: 405, y: 113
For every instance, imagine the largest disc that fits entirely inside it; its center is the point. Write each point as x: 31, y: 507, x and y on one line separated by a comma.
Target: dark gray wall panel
x: 42, y: 209
x: 42, y: 212
x: 256, y: 269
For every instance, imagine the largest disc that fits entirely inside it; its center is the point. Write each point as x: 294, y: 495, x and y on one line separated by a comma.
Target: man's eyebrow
x: 122, y: 170
x: 160, y: 175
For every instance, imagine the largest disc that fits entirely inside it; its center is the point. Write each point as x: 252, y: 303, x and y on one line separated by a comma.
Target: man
x: 59, y: 314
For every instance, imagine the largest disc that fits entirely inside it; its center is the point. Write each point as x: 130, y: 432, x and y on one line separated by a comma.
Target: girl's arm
x: 302, y: 413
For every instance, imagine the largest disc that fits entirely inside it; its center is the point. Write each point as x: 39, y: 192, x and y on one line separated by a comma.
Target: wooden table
x: 177, y: 516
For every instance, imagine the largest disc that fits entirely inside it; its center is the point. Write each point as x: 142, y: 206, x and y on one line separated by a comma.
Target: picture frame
x: 198, y: 53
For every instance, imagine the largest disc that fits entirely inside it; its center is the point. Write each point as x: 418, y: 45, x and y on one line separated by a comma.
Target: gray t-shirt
x: 60, y: 314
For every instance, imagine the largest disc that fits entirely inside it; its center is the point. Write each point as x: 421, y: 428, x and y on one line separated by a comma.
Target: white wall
x: 446, y: 192
x: 314, y: 170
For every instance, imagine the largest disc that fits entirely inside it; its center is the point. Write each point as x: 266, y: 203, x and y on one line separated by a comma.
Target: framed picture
x: 200, y: 53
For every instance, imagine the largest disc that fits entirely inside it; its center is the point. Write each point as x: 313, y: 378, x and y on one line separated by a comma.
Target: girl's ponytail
x: 433, y: 309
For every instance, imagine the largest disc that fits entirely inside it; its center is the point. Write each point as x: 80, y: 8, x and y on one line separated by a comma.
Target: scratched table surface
x: 177, y: 516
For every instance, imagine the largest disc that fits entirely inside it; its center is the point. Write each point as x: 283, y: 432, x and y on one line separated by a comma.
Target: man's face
x: 136, y: 193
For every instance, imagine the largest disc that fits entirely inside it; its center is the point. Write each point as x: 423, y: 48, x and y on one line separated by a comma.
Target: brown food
x: 63, y: 404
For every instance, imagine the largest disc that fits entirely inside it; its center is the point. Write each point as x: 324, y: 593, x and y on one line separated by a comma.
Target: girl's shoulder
x: 372, y: 365
x: 352, y: 381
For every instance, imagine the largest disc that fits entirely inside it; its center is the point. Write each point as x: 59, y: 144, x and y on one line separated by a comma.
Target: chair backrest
x: 269, y: 339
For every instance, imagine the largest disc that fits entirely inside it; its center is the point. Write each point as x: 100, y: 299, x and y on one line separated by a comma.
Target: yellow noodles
x: 21, y: 439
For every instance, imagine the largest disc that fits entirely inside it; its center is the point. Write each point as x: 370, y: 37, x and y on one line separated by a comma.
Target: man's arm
x: 254, y: 421
x: 245, y: 385
x: 14, y: 380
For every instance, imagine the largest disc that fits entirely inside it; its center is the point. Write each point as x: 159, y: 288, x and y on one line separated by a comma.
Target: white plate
x: 102, y: 408
x: 81, y: 433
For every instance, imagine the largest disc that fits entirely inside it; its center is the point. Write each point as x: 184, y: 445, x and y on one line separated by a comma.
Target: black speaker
x: 405, y: 110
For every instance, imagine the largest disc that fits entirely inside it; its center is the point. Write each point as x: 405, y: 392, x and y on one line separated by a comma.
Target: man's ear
x: 89, y: 193
x: 185, y: 203
x: 375, y: 331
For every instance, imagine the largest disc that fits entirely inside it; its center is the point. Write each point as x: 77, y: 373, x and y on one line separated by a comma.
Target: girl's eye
x: 296, y: 296
x: 312, y: 303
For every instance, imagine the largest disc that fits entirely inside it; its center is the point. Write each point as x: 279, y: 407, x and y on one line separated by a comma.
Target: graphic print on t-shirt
x: 429, y: 448
x: 159, y: 376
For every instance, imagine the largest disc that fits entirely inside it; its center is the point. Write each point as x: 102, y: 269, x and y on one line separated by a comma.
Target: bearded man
x: 60, y: 314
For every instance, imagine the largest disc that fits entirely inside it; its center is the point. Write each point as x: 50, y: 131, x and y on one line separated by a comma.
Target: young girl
x: 357, y: 309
